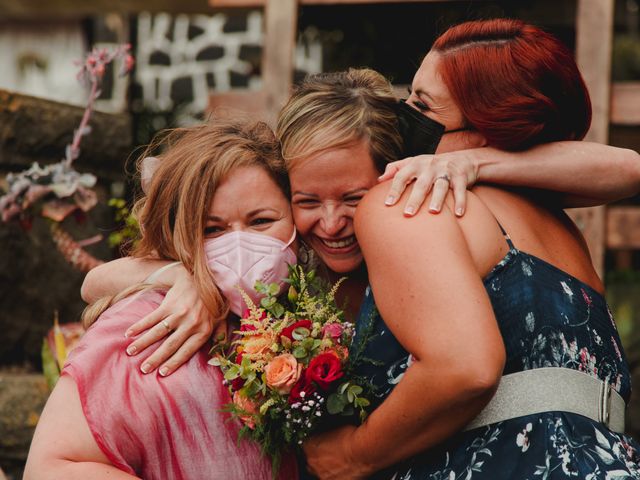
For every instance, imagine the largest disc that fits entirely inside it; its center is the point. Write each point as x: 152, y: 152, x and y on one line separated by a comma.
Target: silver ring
x: 166, y: 325
x: 444, y: 177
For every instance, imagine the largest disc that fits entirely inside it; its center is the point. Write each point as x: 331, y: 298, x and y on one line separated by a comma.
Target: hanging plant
x: 57, y: 190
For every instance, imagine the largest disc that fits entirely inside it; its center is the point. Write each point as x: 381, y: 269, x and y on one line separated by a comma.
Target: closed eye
x: 353, y: 200
x: 306, y: 202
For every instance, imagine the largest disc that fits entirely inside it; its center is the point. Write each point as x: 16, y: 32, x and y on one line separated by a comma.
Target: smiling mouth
x: 343, y: 243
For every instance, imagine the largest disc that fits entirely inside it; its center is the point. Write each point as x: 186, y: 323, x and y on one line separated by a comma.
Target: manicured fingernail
x: 459, y: 212
x: 127, y: 334
x: 145, y: 368
x: 433, y: 209
x: 390, y: 200
x: 409, y: 211
x: 163, y: 371
x: 131, y: 350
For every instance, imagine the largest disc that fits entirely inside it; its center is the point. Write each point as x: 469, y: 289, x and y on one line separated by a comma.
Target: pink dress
x: 154, y: 427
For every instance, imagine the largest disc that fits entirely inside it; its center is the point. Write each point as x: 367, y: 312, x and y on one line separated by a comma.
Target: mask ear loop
x: 293, y: 237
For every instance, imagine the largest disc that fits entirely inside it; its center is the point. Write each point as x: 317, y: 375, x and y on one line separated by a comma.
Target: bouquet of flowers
x: 290, y: 365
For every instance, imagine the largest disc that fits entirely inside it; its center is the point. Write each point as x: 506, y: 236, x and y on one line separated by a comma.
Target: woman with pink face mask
x: 106, y: 420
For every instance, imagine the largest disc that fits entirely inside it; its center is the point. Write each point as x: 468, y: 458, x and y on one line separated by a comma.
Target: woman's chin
x: 344, y: 265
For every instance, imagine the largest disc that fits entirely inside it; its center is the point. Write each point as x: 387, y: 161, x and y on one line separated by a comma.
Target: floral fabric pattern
x: 547, y: 319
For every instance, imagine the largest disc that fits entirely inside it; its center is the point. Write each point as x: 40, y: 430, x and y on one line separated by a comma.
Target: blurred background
x: 195, y: 59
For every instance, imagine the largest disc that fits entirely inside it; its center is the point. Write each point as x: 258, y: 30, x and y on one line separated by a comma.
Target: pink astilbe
x: 69, y: 189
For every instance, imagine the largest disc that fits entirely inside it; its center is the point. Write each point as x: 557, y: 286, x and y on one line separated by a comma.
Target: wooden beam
x: 281, y: 26
x: 594, y: 37
x: 625, y: 103
x: 262, y: 3
x: 244, y: 102
x: 37, y: 129
x: 60, y: 9
x: 623, y: 228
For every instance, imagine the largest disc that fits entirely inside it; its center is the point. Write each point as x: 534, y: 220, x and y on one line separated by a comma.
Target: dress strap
x: 506, y: 236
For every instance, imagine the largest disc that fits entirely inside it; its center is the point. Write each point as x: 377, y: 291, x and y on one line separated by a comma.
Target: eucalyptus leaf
x: 300, y: 333
x: 336, y: 403
x: 299, y: 352
x: 273, y: 289
x: 278, y: 310
x: 355, y: 389
x: 343, y: 387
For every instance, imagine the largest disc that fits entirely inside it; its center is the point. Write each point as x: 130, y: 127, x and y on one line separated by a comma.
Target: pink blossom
x: 333, y: 330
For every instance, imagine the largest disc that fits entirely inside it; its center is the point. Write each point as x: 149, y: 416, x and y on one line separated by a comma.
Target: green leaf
x: 301, y: 333
x: 348, y: 411
x: 350, y: 396
x: 267, y: 302
x: 273, y: 289
x: 299, y: 352
x: 336, y: 403
x: 49, y: 365
x: 343, y: 387
x: 260, y: 287
x: 215, y: 361
x: 362, y: 402
x: 355, y: 389
x: 277, y: 310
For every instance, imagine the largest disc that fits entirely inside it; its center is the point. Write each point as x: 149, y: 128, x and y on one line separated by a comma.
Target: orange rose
x: 247, y: 406
x: 282, y: 373
x: 257, y: 344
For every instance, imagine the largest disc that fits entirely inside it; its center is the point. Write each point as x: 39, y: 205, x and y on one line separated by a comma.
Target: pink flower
x: 333, y: 330
x: 282, y: 373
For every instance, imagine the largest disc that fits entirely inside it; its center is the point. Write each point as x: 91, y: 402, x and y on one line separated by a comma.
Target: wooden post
x: 594, y: 36
x: 281, y: 25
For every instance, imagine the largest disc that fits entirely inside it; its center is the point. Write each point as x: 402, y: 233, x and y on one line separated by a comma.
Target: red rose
x: 324, y: 370
x: 288, y: 332
x: 237, y: 383
x: 303, y: 385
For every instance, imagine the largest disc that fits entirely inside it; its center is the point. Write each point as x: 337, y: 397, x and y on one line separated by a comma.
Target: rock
x: 22, y: 397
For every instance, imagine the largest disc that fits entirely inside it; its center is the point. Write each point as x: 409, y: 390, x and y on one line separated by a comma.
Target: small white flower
x: 302, y: 394
x: 522, y: 440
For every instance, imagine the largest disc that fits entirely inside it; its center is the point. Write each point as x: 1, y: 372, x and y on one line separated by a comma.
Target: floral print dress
x: 547, y: 319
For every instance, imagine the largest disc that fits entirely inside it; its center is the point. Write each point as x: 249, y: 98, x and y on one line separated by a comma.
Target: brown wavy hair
x: 173, y: 213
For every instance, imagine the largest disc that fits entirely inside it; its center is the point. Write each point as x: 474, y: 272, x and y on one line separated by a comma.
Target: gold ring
x: 166, y: 325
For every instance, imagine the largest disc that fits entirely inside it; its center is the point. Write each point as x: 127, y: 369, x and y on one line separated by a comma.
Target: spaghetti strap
x: 506, y: 235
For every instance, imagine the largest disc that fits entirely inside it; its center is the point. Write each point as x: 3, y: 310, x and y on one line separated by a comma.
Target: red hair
x: 514, y: 83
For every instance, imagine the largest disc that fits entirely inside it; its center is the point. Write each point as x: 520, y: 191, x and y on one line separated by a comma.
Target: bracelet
x: 154, y: 276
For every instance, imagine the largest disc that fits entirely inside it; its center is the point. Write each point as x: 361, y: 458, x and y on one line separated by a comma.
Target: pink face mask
x: 239, y: 259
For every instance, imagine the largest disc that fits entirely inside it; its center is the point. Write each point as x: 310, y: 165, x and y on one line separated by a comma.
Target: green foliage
x: 49, y: 365
x: 129, y: 232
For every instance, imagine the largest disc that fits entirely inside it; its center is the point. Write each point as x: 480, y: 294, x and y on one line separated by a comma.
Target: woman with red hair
x: 497, y: 357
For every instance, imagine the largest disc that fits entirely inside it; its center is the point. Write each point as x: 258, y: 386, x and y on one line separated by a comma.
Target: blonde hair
x: 173, y: 213
x: 334, y: 110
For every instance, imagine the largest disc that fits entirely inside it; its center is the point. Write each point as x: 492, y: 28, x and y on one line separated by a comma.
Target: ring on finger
x: 166, y: 325
x: 444, y: 177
